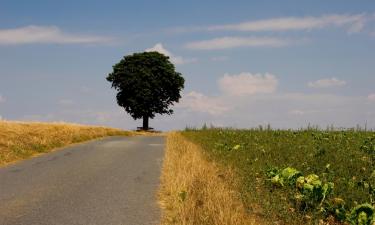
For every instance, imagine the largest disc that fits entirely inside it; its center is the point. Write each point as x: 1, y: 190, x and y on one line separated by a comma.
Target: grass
x: 195, y: 191
x: 21, y: 140
x: 346, y: 158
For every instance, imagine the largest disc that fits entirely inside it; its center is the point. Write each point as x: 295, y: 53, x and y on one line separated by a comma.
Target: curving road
x: 104, y: 182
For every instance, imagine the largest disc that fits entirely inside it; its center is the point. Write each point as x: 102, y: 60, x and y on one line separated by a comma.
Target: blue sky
x: 287, y: 63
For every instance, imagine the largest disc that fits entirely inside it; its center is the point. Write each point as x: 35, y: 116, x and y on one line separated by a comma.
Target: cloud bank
x: 235, y: 42
x: 198, y: 102
x: 174, y: 59
x: 327, y: 83
x: 46, y: 35
x: 247, y: 100
x: 352, y: 23
x: 248, y: 84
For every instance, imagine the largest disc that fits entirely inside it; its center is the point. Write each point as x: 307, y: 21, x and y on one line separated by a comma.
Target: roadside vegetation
x: 195, y: 190
x: 291, y: 177
x: 20, y: 140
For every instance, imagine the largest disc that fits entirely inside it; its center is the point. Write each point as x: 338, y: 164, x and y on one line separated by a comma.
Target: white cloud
x: 85, y: 89
x: 198, y: 102
x: 306, y: 112
x: 248, y: 84
x: 353, y: 23
x: 286, y: 110
x: 66, y: 102
x: 327, y: 83
x: 174, y: 59
x: 46, y: 34
x: 2, y: 99
x: 235, y: 42
x: 296, y: 112
x: 371, y: 97
x: 281, y: 110
x: 219, y: 58
x: 241, y: 104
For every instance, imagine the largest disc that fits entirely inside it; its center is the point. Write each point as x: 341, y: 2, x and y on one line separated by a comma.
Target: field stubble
x: 20, y: 140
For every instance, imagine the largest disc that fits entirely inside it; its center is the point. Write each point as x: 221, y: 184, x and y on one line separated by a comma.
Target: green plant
x: 290, y: 175
x: 368, y: 145
x: 281, y: 177
x: 310, y: 193
x: 313, y: 190
x: 362, y: 215
x: 336, y: 207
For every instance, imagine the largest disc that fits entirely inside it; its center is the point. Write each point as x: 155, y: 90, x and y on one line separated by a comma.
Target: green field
x: 277, y: 168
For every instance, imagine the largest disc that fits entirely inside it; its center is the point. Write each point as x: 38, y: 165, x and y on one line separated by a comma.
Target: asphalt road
x: 108, y: 181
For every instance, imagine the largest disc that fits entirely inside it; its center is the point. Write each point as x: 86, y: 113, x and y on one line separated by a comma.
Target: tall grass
x: 195, y: 191
x: 20, y: 140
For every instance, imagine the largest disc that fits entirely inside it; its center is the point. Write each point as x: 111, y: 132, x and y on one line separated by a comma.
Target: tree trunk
x: 145, y: 123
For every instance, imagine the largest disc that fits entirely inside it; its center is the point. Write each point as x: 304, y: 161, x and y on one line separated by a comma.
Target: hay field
x: 20, y: 140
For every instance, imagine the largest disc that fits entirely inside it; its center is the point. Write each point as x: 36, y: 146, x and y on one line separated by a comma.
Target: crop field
x: 298, y: 177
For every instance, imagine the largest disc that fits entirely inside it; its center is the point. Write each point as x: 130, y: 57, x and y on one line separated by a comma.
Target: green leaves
x: 277, y: 180
x: 368, y: 145
x: 290, y: 175
x: 336, y: 207
x: 147, y: 84
x: 286, y: 176
x: 310, y: 190
x: 312, y: 193
x: 362, y: 215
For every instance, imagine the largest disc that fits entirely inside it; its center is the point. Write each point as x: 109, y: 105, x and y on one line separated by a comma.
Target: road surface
x: 103, y: 182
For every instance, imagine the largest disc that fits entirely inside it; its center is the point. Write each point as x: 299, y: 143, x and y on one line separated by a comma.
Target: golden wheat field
x: 20, y: 140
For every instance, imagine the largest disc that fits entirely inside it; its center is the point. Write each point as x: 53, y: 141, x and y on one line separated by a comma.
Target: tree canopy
x: 146, y: 84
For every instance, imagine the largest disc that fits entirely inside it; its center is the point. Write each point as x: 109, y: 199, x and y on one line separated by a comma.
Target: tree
x: 147, y: 84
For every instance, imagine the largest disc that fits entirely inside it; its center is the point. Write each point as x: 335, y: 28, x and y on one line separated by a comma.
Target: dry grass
x: 20, y: 140
x: 195, y: 191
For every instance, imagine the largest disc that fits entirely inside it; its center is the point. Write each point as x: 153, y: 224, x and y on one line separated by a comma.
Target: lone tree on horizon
x: 147, y: 84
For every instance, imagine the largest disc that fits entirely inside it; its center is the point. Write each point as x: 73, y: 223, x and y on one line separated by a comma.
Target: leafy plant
x: 313, y: 188
x: 368, y: 145
x: 362, y: 215
x: 290, y: 175
x: 336, y: 207
x: 311, y: 192
x: 281, y: 177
